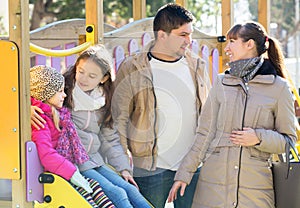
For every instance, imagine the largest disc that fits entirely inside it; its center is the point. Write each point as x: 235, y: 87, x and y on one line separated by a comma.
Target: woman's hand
x: 173, y: 192
x: 36, y: 120
x: 246, y: 138
x: 128, y: 177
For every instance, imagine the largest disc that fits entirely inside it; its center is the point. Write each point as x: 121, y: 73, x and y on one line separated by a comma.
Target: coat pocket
x: 140, y: 149
x: 259, y: 155
x: 260, y: 114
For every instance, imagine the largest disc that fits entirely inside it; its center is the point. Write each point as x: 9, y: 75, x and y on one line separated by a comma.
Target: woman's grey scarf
x: 246, y: 68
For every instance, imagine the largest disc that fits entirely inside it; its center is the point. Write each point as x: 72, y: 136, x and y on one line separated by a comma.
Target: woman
x: 248, y: 116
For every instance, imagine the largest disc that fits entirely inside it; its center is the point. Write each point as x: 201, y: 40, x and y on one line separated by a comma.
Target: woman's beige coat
x: 234, y: 176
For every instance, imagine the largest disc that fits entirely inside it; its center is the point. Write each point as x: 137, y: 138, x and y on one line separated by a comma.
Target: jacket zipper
x: 154, y: 125
x: 241, y: 148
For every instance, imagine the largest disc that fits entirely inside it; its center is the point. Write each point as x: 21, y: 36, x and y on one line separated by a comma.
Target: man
x: 157, y: 100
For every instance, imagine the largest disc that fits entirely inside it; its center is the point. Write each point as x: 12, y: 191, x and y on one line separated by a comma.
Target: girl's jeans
x: 119, y: 191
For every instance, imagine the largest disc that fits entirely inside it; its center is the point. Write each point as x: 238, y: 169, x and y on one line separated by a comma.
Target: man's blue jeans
x: 155, y: 187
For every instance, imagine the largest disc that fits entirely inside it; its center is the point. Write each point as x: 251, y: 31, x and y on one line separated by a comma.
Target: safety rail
x: 59, y: 53
x: 121, y: 42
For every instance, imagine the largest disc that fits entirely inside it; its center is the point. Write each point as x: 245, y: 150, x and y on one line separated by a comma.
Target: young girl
x: 58, y: 144
x: 89, y: 93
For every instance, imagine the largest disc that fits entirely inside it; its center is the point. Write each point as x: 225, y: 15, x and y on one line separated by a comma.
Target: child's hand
x: 128, y: 177
x: 78, y: 180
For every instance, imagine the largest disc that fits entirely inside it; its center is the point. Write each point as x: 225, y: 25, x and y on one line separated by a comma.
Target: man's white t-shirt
x: 176, y: 110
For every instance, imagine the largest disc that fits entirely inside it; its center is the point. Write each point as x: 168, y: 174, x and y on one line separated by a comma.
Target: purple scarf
x: 69, y: 144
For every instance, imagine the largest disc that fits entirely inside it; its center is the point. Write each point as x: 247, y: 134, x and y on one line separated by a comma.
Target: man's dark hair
x: 171, y: 16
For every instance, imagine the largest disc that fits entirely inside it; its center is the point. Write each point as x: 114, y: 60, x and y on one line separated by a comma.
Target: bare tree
x: 40, y: 13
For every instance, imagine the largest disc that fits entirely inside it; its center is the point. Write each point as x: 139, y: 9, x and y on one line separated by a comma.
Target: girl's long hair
x: 99, y: 55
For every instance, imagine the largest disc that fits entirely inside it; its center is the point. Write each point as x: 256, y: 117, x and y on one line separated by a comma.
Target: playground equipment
x: 19, y: 164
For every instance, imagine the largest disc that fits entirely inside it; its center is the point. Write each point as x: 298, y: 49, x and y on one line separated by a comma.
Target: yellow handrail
x: 59, y: 53
x: 295, y: 155
x: 295, y: 92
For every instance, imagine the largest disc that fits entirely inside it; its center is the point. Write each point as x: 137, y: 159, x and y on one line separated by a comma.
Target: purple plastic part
x: 40, y: 60
x: 215, y: 64
x: 34, y: 189
x: 55, y: 61
x: 69, y: 60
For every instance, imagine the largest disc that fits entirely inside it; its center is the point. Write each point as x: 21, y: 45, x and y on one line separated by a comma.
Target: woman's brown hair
x: 265, y: 45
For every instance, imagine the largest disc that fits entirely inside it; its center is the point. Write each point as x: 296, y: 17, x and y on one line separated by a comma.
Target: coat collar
x: 141, y: 60
x: 265, y: 75
x: 230, y: 80
x: 264, y: 79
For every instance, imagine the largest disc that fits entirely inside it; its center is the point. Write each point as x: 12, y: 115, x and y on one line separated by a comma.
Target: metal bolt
x: 13, y: 48
x: 30, y: 191
x: 14, y: 89
x: 14, y: 129
x: 17, y: 206
x: 14, y: 27
x: 29, y: 149
x: 15, y: 170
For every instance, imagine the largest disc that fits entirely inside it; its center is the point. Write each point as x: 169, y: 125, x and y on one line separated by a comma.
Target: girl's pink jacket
x: 46, y: 141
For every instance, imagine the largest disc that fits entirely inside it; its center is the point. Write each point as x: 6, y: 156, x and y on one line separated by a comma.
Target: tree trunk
x: 37, y: 14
